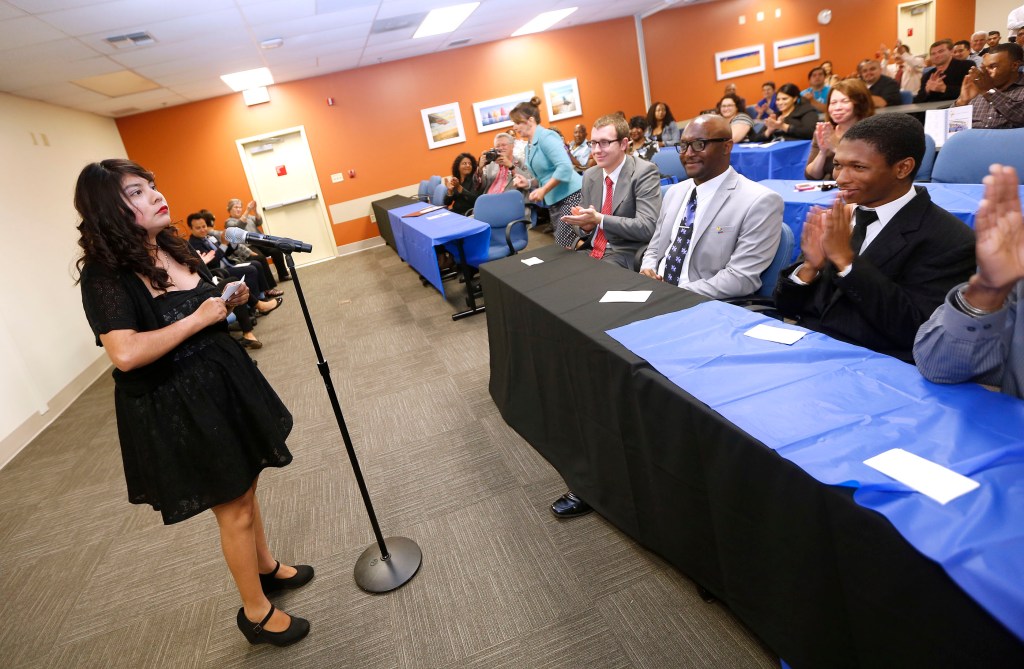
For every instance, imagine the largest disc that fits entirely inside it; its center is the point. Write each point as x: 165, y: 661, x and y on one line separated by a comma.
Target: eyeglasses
x: 699, y: 144
x: 603, y: 143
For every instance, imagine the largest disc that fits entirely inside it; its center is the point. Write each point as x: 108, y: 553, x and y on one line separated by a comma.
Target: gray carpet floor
x: 89, y: 580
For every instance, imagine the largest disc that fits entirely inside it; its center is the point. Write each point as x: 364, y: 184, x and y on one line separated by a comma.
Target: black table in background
x: 380, y: 212
x: 823, y: 581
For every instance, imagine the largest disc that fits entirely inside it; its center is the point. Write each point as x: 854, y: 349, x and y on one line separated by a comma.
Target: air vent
x: 131, y: 41
x: 459, y: 42
x: 406, y: 22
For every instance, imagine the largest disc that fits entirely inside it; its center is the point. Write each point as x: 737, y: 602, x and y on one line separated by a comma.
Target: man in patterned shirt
x: 996, y: 90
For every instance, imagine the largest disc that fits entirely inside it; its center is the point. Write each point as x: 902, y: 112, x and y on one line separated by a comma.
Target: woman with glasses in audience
x: 462, y: 190
x: 796, y: 118
x: 554, y: 182
x: 740, y: 123
x: 848, y: 102
x: 661, y: 125
x: 197, y: 421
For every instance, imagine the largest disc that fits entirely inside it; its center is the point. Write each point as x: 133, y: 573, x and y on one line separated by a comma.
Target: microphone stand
x: 386, y: 566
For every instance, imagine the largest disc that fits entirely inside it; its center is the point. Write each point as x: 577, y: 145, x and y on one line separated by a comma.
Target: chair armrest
x: 508, y: 233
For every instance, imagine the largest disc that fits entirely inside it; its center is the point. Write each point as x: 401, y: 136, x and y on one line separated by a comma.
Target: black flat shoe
x: 278, y: 301
x: 270, y: 583
x: 254, y: 632
x: 570, y: 506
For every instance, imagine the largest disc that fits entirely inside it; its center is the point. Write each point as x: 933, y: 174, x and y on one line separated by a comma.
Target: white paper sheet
x: 430, y: 218
x: 926, y: 477
x: 626, y: 296
x: 777, y: 335
x: 531, y: 261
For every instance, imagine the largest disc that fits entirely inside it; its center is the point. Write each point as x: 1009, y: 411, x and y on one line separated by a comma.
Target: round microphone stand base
x: 376, y: 574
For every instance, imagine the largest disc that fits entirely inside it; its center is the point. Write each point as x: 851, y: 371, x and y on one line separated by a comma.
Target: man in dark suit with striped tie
x: 876, y: 264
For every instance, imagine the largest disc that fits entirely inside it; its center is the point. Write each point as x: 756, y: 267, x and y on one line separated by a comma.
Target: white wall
x: 991, y: 15
x: 47, y: 352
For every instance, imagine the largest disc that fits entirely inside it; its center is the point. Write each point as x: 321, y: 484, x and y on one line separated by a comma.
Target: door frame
x: 247, y: 168
x: 929, y: 23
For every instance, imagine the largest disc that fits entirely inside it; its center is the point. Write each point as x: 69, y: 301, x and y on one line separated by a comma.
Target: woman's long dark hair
x: 652, y: 122
x: 110, y: 236
x: 458, y: 159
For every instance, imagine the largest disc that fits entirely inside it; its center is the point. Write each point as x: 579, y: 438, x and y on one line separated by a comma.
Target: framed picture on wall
x: 493, y: 114
x: 796, y: 50
x: 443, y: 125
x: 563, y: 99
x: 737, y: 62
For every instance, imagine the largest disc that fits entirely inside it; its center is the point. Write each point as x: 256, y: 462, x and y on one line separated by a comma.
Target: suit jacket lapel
x: 622, y: 185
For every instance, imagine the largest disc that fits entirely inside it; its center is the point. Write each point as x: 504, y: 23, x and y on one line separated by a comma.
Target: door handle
x: 278, y: 205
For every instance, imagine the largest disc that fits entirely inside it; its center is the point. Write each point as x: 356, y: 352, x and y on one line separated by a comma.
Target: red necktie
x: 899, y: 75
x: 600, y: 241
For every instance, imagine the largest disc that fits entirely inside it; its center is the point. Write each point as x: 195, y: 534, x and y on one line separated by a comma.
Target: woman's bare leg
x: 263, y: 554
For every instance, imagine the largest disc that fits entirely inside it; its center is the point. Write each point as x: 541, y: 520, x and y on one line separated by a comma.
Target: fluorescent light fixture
x: 542, y: 22
x: 242, y: 81
x: 255, y: 96
x: 445, y: 19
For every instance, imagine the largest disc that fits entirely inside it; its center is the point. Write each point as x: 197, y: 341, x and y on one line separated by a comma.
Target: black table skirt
x: 823, y: 581
x: 380, y: 212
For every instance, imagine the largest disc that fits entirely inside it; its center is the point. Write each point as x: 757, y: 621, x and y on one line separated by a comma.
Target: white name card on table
x: 430, y: 218
x: 926, y: 477
x: 626, y: 296
x: 531, y: 261
x: 777, y: 335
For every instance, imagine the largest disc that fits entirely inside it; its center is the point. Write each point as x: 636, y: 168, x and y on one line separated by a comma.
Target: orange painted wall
x: 375, y: 126
x: 681, y: 42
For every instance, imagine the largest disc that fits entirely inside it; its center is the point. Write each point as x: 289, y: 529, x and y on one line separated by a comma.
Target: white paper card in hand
x: 777, y: 335
x: 626, y: 296
x: 940, y: 483
x: 532, y: 261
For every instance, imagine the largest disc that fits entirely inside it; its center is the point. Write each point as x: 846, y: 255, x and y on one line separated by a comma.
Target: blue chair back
x: 434, y: 180
x: 907, y: 97
x: 966, y: 155
x: 667, y: 160
x: 504, y: 213
x: 928, y: 162
x: 424, y: 191
x: 752, y: 111
x: 437, y: 196
x: 770, y: 276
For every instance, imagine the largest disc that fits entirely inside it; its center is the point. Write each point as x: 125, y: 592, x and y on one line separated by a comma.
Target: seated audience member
x: 996, y: 91
x: 730, y: 89
x: 849, y: 102
x: 767, y: 104
x: 249, y: 220
x: 661, y: 125
x: 875, y: 282
x: 717, y: 230
x: 990, y: 41
x: 904, y: 67
x: 640, y: 145
x: 831, y: 78
x: 579, y: 149
x: 977, y: 334
x: 620, y: 198
x: 962, y: 51
x: 497, y: 167
x: 816, y: 94
x: 462, y: 191
x: 796, y: 119
x: 944, y: 80
x: 885, y: 92
x: 241, y: 253
x: 741, y: 125
x: 978, y: 44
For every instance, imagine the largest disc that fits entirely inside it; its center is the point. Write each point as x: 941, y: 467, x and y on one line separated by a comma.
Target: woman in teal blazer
x: 554, y: 182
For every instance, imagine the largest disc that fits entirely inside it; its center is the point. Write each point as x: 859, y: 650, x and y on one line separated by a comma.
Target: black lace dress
x: 197, y: 426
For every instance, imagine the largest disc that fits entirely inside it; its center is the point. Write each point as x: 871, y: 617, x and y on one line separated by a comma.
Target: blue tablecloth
x: 827, y: 406
x: 961, y: 200
x: 780, y: 160
x: 416, y: 237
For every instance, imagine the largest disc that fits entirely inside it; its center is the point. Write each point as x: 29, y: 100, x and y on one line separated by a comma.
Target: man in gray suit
x: 718, y: 230
x: 620, y: 198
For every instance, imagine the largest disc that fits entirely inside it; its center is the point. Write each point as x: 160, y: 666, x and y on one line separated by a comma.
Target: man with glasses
x: 620, y: 197
x: 498, y: 166
x: 717, y: 230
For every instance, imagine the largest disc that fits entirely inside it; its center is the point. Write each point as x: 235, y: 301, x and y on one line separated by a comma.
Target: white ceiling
x: 47, y: 44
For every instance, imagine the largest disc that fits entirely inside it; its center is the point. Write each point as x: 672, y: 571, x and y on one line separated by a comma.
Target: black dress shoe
x: 270, y: 582
x: 254, y: 632
x: 570, y: 506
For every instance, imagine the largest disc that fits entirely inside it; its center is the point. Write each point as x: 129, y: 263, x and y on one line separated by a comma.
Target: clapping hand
x: 208, y: 256
x: 584, y: 218
x: 999, y: 229
x: 824, y: 134
x: 836, y: 233
x: 773, y: 123
x: 810, y: 245
x: 936, y: 83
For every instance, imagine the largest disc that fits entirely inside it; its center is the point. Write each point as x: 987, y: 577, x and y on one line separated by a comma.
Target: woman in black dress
x: 196, y: 420
x: 462, y: 187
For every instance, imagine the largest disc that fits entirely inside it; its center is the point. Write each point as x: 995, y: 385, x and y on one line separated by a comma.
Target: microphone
x: 285, y: 245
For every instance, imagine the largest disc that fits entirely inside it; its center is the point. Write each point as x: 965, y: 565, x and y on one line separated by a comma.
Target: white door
x: 283, y: 180
x: 916, y: 26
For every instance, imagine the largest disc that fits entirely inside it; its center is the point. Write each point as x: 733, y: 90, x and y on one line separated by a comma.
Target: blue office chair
x: 504, y: 213
x: 752, y: 111
x: 424, y: 191
x: 667, y: 160
x: 966, y: 155
x: 928, y: 162
x: 761, y: 300
x: 437, y: 195
x: 434, y: 180
x: 907, y: 97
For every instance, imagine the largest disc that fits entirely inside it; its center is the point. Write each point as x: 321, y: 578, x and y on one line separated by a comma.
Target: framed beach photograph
x: 493, y: 114
x: 443, y: 125
x: 737, y: 62
x: 563, y: 99
x: 797, y: 50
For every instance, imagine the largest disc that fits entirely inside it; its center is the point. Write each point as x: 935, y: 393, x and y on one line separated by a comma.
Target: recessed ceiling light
x: 542, y: 22
x: 272, y: 43
x: 242, y: 81
x: 445, y: 19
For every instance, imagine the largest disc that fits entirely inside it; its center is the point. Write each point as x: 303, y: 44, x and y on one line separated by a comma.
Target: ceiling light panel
x: 445, y: 19
x: 240, y: 81
x: 542, y: 22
